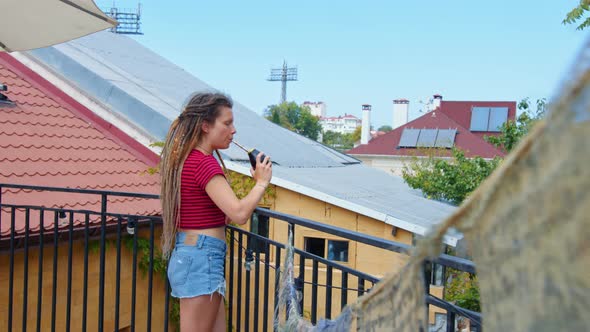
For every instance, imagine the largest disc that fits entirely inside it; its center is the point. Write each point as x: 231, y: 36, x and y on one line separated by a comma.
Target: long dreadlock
x: 183, y: 136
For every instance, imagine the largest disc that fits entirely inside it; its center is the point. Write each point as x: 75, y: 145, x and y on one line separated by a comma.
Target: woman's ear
x: 205, y: 127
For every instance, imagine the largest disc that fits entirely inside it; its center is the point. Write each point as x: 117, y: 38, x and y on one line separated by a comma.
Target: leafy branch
x: 577, y: 13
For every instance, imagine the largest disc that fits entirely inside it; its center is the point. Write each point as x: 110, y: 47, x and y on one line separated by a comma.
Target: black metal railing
x: 364, y: 282
x: 105, y: 249
x: 70, y: 235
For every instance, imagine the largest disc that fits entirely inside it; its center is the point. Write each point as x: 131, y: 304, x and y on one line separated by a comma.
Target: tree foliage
x: 356, y: 135
x: 385, y: 128
x: 338, y: 141
x: 463, y: 290
x: 511, y: 131
x: 577, y: 15
x: 446, y: 179
x: 295, y: 118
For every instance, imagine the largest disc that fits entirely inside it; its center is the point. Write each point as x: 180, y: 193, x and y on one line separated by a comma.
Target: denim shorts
x: 197, y: 269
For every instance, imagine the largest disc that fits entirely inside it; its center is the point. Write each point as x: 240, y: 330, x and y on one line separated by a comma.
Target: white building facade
x: 346, y: 124
x: 317, y: 108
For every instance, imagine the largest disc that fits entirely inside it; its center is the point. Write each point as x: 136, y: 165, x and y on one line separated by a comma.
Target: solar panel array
x: 427, y: 138
x: 488, y: 118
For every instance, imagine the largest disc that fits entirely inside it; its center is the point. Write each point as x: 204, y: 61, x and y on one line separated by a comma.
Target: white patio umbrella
x: 29, y: 24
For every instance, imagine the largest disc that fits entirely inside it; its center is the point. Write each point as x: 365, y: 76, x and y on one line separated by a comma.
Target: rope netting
x: 527, y: 228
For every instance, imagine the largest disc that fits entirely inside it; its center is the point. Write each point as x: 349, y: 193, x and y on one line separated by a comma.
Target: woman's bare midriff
x: 217, y: 232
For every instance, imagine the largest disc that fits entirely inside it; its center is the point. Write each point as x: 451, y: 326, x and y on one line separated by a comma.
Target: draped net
x: 528, y: 230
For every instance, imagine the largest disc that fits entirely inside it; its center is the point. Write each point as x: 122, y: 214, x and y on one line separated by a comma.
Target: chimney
x: 400, y: 112
x: 436, y: 100
x: 366, y: 124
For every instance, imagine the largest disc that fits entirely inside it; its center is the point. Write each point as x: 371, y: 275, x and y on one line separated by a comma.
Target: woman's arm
x: 239, y: 210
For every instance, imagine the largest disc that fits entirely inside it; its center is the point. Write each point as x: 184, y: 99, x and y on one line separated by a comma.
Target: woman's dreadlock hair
x: 182, y: 138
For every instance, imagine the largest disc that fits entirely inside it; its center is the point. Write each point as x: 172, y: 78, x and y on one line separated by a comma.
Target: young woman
x: 197, y: 202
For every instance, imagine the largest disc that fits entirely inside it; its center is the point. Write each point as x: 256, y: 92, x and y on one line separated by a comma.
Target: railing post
x: 249, y: 259
x: 299, y: 290
x: 26, y: 269
x: 291, y: 239
x: 150, y: 276
x: 231, y: 281
x: 40, y: 267
x: 85, y: 295
x: 427, y: 274
x: 134, y: 276
x: 11, y: 268
x: 70, y: 260
x: 101, y: 272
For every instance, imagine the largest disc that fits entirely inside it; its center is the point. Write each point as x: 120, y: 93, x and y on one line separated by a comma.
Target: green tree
x: 356, y: 135
x: 385, y: 128
x: 511, y: 131
x: 295, y: 118
x: 338, y: 141
x: 445, y: 179
x: 577, y: 14
x: 463, y: 290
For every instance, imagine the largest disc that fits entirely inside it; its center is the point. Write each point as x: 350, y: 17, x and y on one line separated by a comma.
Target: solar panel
x: 498, y: 115
x: 445, y: 138
x: 479, y: 118
x: 409, y: 138
x: 427, y: 138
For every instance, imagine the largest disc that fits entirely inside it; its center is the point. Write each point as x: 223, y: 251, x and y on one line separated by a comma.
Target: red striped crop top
x: 197, y: 210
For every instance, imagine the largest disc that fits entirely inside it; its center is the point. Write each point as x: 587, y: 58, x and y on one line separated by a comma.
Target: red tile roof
x: 465, y: 140
x: 49, y: 139
x: 460, y: 112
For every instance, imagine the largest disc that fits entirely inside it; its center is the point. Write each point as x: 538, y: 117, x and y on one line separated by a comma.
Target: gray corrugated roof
x: 149, y: 91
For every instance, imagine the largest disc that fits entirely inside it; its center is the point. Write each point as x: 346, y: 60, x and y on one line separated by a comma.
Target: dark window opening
x: 316, y: 246
x: 259, y: 226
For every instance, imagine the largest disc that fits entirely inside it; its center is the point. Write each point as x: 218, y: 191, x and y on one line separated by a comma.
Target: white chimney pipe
x: 366, y: 124
x: 400, y: 112
x: 436, y: 100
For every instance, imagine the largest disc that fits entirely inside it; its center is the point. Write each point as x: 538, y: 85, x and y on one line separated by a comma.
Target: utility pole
x: 283, y: 74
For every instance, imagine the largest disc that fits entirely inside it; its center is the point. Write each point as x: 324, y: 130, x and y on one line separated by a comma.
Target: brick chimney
x: 400, y: 112
x: 366, y: 124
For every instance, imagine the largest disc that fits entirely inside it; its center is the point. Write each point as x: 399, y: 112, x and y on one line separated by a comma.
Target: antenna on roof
x: 283, y: 74
x: 129, y: 20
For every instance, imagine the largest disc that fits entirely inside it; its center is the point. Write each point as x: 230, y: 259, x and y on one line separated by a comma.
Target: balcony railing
x: 101, y: 270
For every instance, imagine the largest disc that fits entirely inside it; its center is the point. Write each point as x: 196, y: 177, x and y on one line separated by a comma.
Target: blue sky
x: 349, y: 53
